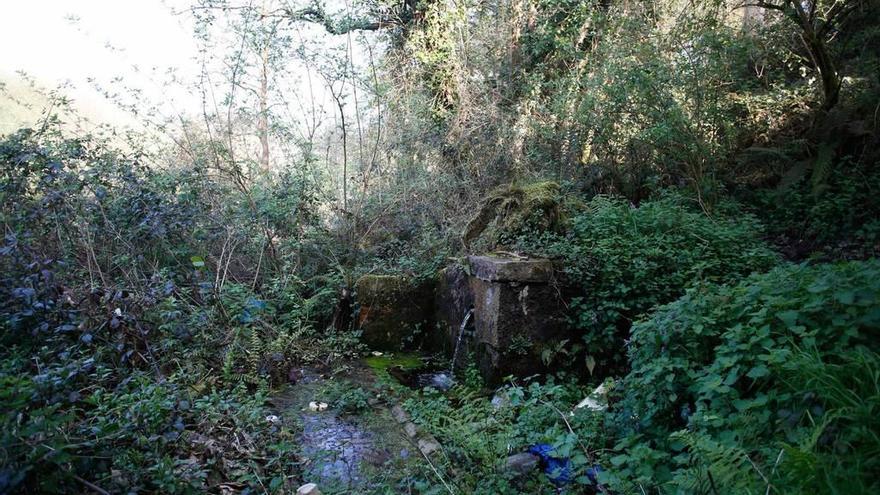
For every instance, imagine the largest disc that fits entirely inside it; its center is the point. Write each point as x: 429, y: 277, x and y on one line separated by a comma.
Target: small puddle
x: 423, y: 377
x: 411, y: 371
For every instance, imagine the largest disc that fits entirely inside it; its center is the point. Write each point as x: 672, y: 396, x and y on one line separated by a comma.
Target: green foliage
x: 433, y: 49
x: 837, y: 219
x: 779, y: 370
x: 77, y: 418
x: 138, y: 341
x: 477, y: 434
x: 625, y: 260
x: 149, y: 301
x: 345, y: 397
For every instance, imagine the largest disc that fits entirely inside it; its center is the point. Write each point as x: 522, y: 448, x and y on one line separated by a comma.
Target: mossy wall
x: 395, y: 312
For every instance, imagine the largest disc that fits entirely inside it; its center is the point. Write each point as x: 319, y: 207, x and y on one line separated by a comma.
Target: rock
x: 391, y: 307
x: 441, y: 381
x: 500, y: 401
x: 308, y: 489
x: 495, y: 269
x: 293, y: 375
x: 410, y: 429
x: 520, y: 464
x: 428, y: 447
x: 399, y: 414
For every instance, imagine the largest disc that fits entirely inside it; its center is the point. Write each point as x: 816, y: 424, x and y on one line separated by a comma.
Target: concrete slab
x: 508, y: 269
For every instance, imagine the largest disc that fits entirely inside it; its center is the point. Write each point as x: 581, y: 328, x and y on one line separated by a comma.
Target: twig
x: 758, y: 470
x: 773, y: 471
x: 712, y: 482
x: 436, y: 472
x: 590, y: 458
x: 259, y: 265
x: 91, y: 485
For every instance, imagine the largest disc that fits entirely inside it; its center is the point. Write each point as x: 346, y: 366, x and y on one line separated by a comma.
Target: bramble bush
x: 138, y: 337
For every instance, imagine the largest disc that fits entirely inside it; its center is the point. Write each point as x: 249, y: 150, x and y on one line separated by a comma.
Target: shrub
x: 625, y: 260
x: 773, y: 377
x: 836, y: 217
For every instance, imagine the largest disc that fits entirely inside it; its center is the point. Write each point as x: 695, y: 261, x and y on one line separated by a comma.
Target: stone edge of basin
x: 498, y: 269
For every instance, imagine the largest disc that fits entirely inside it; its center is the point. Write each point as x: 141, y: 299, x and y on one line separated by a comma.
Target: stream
x: 340, y: 452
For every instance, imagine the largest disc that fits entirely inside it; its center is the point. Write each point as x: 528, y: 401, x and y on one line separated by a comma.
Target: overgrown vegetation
x: 702, y: 175
x: 746, y: 384
x: 622, y: 261
x: 139, y: 342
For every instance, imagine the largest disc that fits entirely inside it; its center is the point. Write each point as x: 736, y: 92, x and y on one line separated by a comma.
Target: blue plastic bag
x: 558, y: 469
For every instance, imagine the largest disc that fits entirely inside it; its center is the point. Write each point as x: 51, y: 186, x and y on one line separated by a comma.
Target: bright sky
x: 122, y: 44
x: 58, y: 40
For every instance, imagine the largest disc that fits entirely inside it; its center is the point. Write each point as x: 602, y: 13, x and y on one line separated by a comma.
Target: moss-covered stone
x: 523, y: 270
x: 403, y: 361
x: 514, y: 206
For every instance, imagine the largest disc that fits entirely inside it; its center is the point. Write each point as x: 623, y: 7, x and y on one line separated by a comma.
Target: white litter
x: 596, y: 401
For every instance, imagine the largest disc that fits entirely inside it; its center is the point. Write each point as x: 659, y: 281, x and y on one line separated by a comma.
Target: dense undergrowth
x: 769, y: 382
x: 623, y: 261
x: 138, y: 349
x: 707, y: 190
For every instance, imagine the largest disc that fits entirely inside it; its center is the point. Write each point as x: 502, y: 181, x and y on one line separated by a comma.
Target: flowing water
x: 439, y: 379
x: 461, y: 329
x: 340, y: 452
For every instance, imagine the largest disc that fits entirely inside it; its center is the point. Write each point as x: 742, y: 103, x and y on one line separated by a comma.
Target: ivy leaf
x: 845, y: 297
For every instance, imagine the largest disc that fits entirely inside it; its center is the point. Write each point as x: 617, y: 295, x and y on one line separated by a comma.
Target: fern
x: 255, y: 353
x: 228, y: 364
x: 714, y: 467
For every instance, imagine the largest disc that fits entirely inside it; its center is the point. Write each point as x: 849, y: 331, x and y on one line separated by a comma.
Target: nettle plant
x: 622, y: 261
x: 773, y: 381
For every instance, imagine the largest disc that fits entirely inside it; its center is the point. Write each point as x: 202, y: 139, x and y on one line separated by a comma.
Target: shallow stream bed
x: 345, y: 450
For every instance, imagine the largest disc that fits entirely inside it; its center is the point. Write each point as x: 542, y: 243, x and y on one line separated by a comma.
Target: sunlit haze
x: 59, y: 41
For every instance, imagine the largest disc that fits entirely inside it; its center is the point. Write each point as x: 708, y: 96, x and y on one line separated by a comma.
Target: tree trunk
x: 263, y: 118
x: 819, y: 52
x: 827, y: 71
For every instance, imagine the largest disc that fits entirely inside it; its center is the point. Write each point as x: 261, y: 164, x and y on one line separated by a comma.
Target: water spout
x: 461, y: 328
